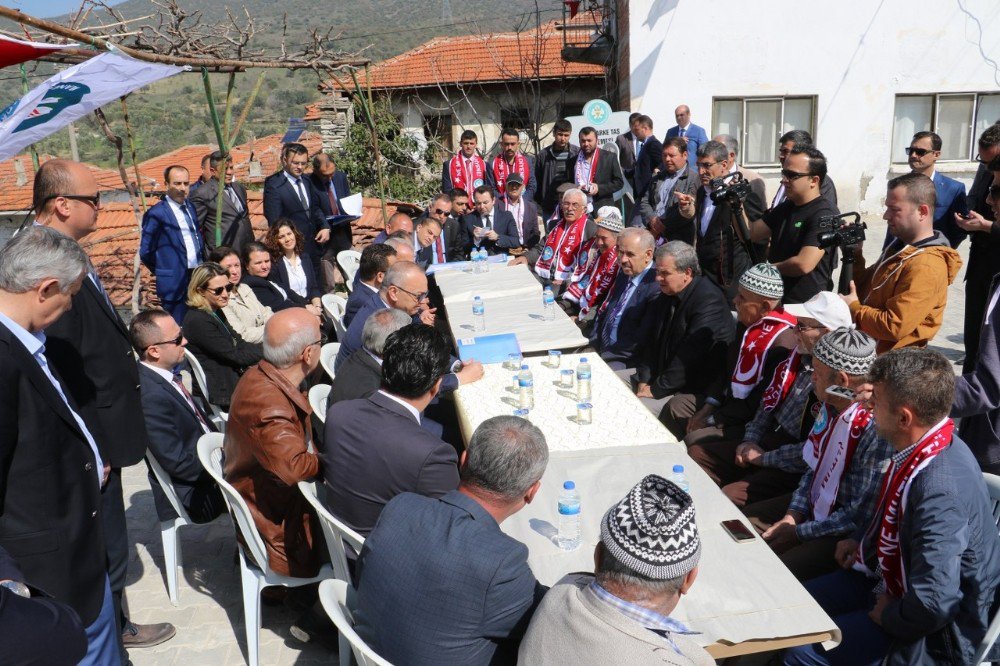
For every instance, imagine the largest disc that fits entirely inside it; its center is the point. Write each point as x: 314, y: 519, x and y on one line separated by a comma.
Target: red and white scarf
x: 467, y: 179
x: 757, y: 341
x: 782, y: 380
x: 828, y: 451
x: 561, y: 245
x: 581, y: 161
x: 892, y: 503
x: 593, y: 276
x: 501, y: 170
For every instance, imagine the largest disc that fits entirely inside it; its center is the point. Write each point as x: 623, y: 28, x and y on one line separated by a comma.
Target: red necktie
x: 439, y: 246
x: 334, y: 208
x: 191, y: 403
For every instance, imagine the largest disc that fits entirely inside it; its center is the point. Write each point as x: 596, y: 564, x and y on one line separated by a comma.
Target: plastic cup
x: 555, y: 358
x: 584, y: 413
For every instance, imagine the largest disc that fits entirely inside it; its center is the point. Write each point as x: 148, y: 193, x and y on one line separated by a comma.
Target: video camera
x: 841, y: 230
x: 735, y: 191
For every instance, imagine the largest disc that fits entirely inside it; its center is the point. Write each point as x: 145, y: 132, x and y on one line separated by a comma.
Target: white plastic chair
x: 168, y: 528
x: 349, y: 262
x: 335, y: 306
x: 993, y: 631
x: 334, y: 531
x: 333, y: 594
x: 327, y: 358
x: 218, y: 416
x: 255, y: 573
x: 317, y: 400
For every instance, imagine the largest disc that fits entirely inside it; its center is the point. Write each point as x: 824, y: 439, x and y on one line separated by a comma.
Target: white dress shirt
x: 187, y: 232
x: 296, y: 276
x: 410, y: 408
x: 708, y: 209
x: 169, y: 378
x: 300, y: 191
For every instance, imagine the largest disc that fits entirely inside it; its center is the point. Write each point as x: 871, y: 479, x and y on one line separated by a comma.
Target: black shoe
x: 314, y: 627
x: 147, y: 635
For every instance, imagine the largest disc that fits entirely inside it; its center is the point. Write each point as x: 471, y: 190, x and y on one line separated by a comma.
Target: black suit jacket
x: 454, y: 249
x: 174, y: 430
x: 609, y: 178
x: 373, y: 450
x: 341, y: 235
x: 631, y: 330
x: 279, y: 275
x: 49, y: 489
x: 688, y: 338
x: 90, y: 349
x: 357, y: 377
x: 650, y: 159
x: 503, y: 223
x: 529, y: 221
x: 236, y: 228
x: 722, y: 257
x: 223, y: 354
x: 281, y: 202
x: 269, y: 296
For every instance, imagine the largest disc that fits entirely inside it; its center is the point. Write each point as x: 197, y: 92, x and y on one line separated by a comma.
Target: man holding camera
x: 793, y: 227
x: 900, y: 300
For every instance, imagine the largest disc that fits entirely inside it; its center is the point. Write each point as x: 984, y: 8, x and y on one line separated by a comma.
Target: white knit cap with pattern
x: 610, y: 218
x: 846, y: 350
x: 763, y: 280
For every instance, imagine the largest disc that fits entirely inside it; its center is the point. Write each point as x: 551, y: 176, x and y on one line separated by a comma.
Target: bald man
x: 693, y: 134
x: 398, y: 221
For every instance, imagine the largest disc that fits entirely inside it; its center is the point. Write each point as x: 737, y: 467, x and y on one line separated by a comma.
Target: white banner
x: 72, y: 94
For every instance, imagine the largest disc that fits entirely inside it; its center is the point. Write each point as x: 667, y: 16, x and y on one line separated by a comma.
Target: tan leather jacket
x: 265, y: 456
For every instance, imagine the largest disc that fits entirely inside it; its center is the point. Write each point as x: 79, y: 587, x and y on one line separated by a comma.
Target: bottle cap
x: 569, y: 485
x: 524, y: 366
x: 678, y: 469
x: 476, y: 296
x: 583, y: 359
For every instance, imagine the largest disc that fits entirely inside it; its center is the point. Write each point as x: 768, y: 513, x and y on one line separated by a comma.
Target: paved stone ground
x: 209, y: 617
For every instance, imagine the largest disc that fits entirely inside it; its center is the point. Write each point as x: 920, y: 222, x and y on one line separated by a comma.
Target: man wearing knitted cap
x: 646, y: 560
x: 845, y: 458
x: 764, y: 338
x: 596, y: 265
x: 768, y: 461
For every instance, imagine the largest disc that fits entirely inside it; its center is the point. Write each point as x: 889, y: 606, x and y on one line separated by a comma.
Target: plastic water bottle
x: 583, y: 380
x: 474, y: 257
x: 680, y: 478
x: 525, y: 388
x: 478, y: 314
x: 548, y: 304
x: 569, y: 517
x: 484, y: 261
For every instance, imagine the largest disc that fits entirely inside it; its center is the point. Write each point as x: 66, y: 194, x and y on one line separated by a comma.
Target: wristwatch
x: 18, y: 588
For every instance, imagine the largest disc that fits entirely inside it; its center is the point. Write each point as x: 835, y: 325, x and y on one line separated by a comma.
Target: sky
x: 47, y: 8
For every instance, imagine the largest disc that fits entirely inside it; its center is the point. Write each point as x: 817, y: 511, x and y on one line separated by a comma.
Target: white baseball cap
x: 826, y: 307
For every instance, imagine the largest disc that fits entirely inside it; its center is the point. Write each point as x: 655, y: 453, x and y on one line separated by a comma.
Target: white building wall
x: 854, y: 55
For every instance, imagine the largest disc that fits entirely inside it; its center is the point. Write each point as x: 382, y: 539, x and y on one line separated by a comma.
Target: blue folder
x: 488, y: 348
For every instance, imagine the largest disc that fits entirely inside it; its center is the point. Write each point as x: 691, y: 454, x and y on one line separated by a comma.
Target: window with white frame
x: 758, y: 123
x: 958, y: 118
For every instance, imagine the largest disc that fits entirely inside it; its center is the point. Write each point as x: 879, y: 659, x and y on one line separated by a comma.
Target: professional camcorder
x: 841, y: 230
x: 732, y: 188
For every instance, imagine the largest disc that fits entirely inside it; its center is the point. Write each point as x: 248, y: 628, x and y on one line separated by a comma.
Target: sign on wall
x: 598, y: 114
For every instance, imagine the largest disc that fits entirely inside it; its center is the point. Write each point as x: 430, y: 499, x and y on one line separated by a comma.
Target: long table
x: 743, y: 601
x: 513, y: 300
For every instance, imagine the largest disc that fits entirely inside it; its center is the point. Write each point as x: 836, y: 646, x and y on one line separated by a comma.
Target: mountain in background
x: 174, y: 113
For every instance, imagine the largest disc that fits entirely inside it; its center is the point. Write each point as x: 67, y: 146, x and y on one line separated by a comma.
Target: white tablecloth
x: 619, y: 419
x: 500, y: 281
x: 742, y: 593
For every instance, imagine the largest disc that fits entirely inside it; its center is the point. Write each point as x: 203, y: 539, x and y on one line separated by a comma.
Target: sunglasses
x: 94, y: 200
x: 175, y: 341
x: 788, y: 174
x: 218, y: 290
x: 441, y: 211
x: 919, y: 152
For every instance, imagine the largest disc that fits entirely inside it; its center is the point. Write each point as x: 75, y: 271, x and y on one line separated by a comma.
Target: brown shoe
x: 147, y: 635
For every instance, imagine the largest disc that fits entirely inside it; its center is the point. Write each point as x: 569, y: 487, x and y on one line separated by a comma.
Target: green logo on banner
x: 59, y: 97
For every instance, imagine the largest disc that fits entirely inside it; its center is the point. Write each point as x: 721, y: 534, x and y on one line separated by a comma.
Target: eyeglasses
x: 919, y: 152
x: 788, y: 174
x: 571, y: 204
x: 175, y: 341
x: 441, y: 211
x: 95, y: 200
x: 705, y: 166
x: 421, y: 296
x: 322, y: 340
x: 806, y: 327
x: 218, y: 290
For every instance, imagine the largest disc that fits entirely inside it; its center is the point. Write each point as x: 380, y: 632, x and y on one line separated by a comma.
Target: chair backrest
x: 317, y: 400
x: 335, y: 306
x: 334, y: 531
x: 198, y: 373
x: 210, y: 454
x: 349, y: 262
x: 168, y: 486
x: 333, y: 595
x: 327, y: 357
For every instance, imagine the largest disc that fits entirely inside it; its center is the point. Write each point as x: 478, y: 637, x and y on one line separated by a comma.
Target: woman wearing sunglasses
x: 223, y: 354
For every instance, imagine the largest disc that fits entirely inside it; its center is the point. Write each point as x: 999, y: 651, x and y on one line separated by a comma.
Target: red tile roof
x: 188, y: 157
x: 484, y: 58
x: 17, y: 178
x: 312, y: 112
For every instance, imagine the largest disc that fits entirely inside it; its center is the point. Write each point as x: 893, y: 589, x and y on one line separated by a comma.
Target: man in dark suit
x: 487, y: 227
x: 171, y: 245
x: 626, y: 143
x: 618, y: 330
x: 375, y: 261
x: 52, y: 470
x: 398, y: 221
x: 204, y: 176
x: 554, y: 167
x: 659, y: 209
x: 457, y: 564
x: 596, y: 172
x: 374, y: 448
x: 922, y: 154
x: 290, y: 195
x: 174, y: 420
x: 425, y: 241
x: 689, y: 327
x: 685, y: 129
x: 333, y: 187
x: 90, y: 350
x: 361, y: 374
x: 447, y: 245
x: 525, y: 214
x: 648, y: 160
x: 235, y: 228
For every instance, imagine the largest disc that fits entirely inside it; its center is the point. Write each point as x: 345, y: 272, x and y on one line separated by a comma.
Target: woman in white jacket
x: 244, y: 312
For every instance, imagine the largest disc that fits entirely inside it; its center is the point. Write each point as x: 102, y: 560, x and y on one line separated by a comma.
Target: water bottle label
x: 548, y: 299
x: 583, y: 374
x: 569, y: 509
x: 478, y: 309
x: 525, y: 383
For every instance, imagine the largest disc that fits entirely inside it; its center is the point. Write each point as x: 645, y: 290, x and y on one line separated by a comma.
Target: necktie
x: 682, y: 132
x: 609, y: 323
x: 334, y: 208
x: 301, y: 191
x: 191, y: 403
x: 638, y: 147
x: 439, y: 248
x: 237, y: 204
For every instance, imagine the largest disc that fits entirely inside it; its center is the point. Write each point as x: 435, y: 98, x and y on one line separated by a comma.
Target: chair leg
x: 251, y: 611
x: 345, y: 650
x: 171, y: 556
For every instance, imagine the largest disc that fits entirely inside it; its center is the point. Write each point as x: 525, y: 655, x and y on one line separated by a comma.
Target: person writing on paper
x: 561, y: 246
x: 646, y: 560
x: 488, y: 227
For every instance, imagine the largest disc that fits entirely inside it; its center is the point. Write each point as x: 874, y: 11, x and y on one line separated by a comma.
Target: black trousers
x: 116, y: 542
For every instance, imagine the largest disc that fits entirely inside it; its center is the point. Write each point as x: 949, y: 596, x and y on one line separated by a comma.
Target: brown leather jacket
x: 265, y: 456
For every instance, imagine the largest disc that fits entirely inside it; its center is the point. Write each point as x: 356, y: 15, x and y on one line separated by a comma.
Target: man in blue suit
x: 687, y: 130
x: 171, y: 246
x: 488, y: 226
x: 290, y: 195
x: 375, y: 261
x: 618, y: 329
x: 922, y: 154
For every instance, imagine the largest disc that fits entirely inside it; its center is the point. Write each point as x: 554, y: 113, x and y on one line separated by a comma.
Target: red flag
x: 14, y: 51
x: 573, y: 6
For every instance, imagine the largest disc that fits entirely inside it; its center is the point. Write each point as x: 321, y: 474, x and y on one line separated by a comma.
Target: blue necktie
x: 609, y: 324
